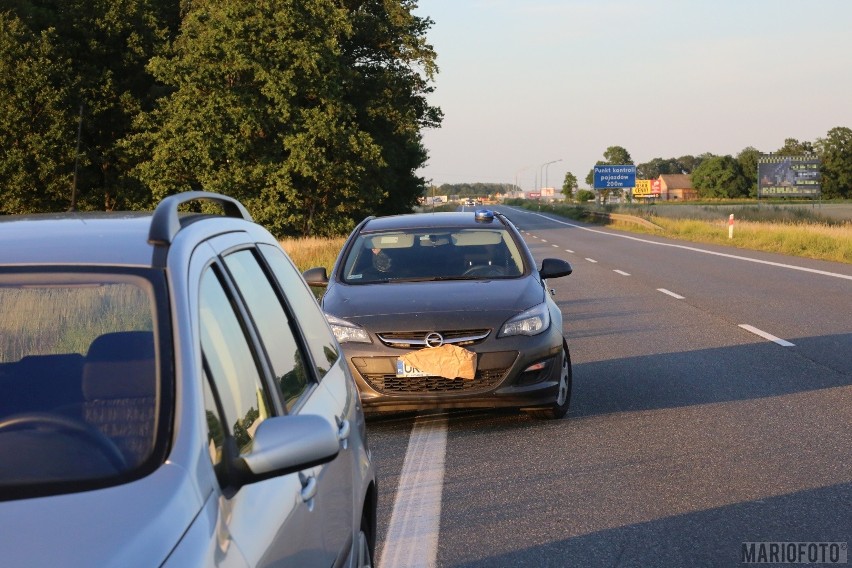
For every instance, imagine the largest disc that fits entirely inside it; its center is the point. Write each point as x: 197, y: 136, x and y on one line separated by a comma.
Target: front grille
x: 414, y: 339
x: 391, y: 384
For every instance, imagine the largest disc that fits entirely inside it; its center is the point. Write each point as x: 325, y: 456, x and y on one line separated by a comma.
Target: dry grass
x: 811, y: 240
x: 309, y: 252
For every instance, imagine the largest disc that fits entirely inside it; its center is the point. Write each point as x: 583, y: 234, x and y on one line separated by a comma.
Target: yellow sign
x: 643, y: 188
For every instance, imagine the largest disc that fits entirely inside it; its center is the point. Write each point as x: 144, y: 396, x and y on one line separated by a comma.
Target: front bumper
x: 511, y: 372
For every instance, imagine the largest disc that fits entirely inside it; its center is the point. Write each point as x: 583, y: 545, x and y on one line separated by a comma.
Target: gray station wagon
x: 172, y: 396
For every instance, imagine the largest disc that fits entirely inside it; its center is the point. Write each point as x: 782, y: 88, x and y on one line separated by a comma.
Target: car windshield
x: 78, y: 367
x: 426, y: 255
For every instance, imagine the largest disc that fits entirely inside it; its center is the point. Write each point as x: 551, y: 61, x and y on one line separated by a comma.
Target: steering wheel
x: 44, y: 420
x: 485, y: 270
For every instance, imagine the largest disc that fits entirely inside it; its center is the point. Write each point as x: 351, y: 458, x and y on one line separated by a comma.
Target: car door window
x: 319, y: 338
x: 231, y: 362
x: 292, y: 377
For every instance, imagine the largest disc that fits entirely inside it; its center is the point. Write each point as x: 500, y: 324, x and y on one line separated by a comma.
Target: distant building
x: 677, y: 187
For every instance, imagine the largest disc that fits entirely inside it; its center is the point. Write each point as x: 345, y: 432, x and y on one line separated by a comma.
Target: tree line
x: 308, y: 111
x: 736, y: 176
x: 479, y: 189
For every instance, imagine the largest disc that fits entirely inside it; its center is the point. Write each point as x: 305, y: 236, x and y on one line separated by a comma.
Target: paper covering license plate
x: 405, y: 370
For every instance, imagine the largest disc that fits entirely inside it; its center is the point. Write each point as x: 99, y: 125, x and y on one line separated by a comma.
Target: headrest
x: 120, y: 365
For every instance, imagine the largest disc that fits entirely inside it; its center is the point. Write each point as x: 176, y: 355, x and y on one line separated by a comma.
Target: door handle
x: 309, y: 488
x: 343, y: 428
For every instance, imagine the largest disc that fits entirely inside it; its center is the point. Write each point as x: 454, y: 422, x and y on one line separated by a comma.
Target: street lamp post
x: 545, y: 169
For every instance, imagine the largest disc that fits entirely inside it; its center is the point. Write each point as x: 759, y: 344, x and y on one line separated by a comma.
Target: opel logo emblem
x: 434, y: 339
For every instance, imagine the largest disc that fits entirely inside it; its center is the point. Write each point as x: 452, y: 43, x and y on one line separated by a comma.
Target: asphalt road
x: 711, y: 407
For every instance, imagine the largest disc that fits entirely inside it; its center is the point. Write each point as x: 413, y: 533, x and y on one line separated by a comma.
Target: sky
x: 523, y: 83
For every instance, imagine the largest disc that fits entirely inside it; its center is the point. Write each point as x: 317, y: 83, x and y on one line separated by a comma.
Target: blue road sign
x: 615, y: 177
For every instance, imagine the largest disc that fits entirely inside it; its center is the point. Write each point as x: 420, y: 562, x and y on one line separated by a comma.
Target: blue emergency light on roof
x: 484, y: 215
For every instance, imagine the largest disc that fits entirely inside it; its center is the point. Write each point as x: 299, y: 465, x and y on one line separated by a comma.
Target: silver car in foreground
x: 172, y: 396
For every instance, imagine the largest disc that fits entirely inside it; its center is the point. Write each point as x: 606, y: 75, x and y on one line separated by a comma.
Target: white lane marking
x: 555, y: 246
x: 412, y: 538
x: 694, y: 249
x: 670, y: 293
x: 621, y: 272
x: 769, y: 336
x: 544, y: 240
x: 592, y: 260
x: 569, y: 250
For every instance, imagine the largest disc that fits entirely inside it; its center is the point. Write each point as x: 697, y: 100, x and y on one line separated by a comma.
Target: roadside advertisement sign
x: 535, y: 194
x: 788, y: 176
x: 643, y: 188
x: 615, y: 177
x: 656, y: 186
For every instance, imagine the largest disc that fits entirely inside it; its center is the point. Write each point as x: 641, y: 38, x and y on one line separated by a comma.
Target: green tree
x: 720, y: 177
x: 392, y: 67
x: 793, y: 147
x: 309, y: 113
x: 37, y: 128
x: 258, y: 112
x: 616, y: 155
x: 569, y: 184
x: 613, y: 155
x: 835, y: 152
x: 102, y: 47
x: 747, y: 159
x: 688, y: 163
x: 654, y: 168
x: 584, y: 195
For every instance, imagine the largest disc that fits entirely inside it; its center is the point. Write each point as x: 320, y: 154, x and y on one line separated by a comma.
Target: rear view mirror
x: 554, y: 268
x: 316, y: 276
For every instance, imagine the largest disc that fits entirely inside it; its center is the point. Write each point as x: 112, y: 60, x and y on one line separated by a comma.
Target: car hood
x: 477, y: 302
x: 135, y: 524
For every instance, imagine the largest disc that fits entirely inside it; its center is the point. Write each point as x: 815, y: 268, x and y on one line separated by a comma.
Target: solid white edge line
x: 670, y: 293
x: 695, y: 249
x: 769, y: 336
x: 412, y: 537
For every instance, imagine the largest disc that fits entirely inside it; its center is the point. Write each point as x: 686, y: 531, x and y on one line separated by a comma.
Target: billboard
x: 615, y: 177
x: 788, y: 176
x: 643, y: 188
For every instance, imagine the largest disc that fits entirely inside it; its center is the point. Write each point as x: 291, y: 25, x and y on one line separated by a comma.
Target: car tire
x: 559, y: 408
x: 365, y: 545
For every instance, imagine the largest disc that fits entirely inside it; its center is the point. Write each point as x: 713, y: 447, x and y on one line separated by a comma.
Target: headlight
x: 531, y: 322
x: 346, y: 331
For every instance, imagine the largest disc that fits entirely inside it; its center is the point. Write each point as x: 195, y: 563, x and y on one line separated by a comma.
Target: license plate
x: 405, y: 370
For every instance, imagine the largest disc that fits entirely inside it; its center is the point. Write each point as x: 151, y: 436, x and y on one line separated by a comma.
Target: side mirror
x: 287, y: 444
x: 316, y: 276
x: 554, y: 268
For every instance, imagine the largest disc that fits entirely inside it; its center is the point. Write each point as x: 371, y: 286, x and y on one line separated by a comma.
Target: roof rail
x: 165, y: 222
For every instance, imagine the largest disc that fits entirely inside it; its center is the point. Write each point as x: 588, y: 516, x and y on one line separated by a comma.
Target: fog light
x: 535, y: 367
x: 535, y: 373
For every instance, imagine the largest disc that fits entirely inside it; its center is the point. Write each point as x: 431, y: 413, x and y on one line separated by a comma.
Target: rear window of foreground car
x: 419, y: 255
x: 79, y: 372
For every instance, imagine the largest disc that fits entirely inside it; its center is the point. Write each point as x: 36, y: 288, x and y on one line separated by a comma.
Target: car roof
x: 441, y: 220
x: 140, y: 239
x: 76, y: 238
